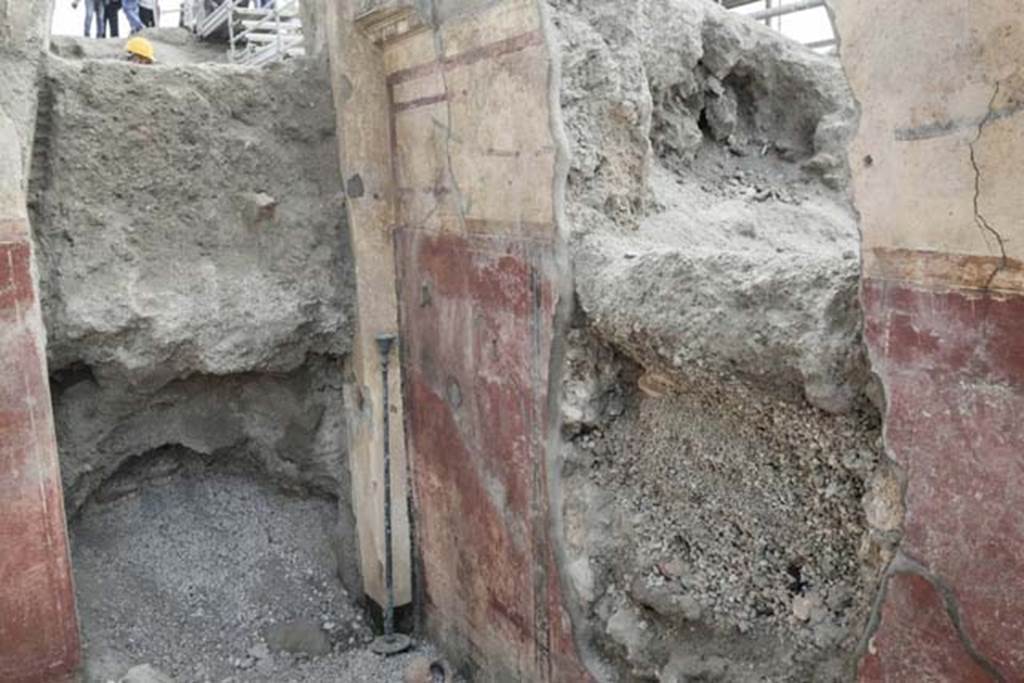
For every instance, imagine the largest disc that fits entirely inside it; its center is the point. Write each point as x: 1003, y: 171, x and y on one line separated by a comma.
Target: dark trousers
x: 148, y: 17
x: 111, y: 19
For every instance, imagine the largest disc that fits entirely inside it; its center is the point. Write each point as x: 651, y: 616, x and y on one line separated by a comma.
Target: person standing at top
x: 149, y: 13
x: 110, y: 12
x: 131, y: 12
x: 93, y: 8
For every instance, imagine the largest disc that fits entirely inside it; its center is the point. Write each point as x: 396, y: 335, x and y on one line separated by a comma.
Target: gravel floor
x: 208, y: 574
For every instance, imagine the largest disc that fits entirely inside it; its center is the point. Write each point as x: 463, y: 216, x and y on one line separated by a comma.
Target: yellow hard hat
x: 140, y: 47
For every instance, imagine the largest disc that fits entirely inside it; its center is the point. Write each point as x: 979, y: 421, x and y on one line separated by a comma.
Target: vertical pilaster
x: 38, y: 627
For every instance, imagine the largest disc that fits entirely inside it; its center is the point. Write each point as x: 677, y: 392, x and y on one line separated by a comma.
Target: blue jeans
x: 94, y: 8
x: 131, y: 10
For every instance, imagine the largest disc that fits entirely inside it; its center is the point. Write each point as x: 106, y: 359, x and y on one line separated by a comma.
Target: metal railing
x: 267, y: 33
x: 255, y: 35
x: 775, y: 9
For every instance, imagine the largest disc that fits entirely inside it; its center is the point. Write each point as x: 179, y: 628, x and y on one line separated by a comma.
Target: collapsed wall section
x: 727, y: 506
x: 709, y: 170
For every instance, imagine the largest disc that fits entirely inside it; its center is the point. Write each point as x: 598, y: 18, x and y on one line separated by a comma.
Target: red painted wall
x: 38, y: 629
x: 952, y: 362
x: 476, y: 321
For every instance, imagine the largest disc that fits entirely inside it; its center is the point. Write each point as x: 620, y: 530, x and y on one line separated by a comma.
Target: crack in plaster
x: 902, y: 563
x: 895, y: 538
x: 875, y: 615
x: 979, y: 217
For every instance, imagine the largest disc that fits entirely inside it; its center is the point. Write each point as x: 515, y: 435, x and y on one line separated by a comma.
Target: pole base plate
x: 391, y: 645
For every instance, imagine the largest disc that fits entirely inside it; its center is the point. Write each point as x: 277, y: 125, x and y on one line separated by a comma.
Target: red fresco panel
x: 916, y: 640
x: 38, y: 629
x: 953, y: 366
x: 476, y: 324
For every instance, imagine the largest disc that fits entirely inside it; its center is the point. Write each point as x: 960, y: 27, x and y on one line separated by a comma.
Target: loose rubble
x: 716, y: 514
x: 190, y: 570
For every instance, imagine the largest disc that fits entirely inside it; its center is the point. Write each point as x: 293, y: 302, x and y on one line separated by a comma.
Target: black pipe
x: 384, y: 343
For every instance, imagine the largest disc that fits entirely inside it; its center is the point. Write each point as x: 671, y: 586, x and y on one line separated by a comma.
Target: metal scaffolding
x: 255, y: 35
x: 775, y: 9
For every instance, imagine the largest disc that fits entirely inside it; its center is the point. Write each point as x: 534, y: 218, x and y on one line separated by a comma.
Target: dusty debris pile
x: 719, y: 440
x: 714, y: 519
x: 207, y: 573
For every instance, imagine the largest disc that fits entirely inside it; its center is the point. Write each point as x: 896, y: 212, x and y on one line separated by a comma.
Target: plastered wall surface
x: 936, y: 179
x: 38, y: 629
x: 361, y: 99
x: 939, y: 139
x: 459, y: 161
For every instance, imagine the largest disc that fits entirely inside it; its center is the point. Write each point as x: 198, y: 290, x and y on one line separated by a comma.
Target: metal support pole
x: 390, y: 643
x: 280, y: 51
x: 786, y: 9
x: 389, y: 568
x: 231, y: 28
x: 828, y: 42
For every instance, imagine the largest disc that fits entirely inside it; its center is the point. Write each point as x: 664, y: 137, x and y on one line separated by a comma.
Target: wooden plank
x: 791, y: 8
x: 271, y: 38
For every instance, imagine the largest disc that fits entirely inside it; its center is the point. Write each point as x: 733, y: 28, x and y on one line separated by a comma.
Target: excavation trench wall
x: 194, y: 265
x: 727, y: 509
x: 195, y: 273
